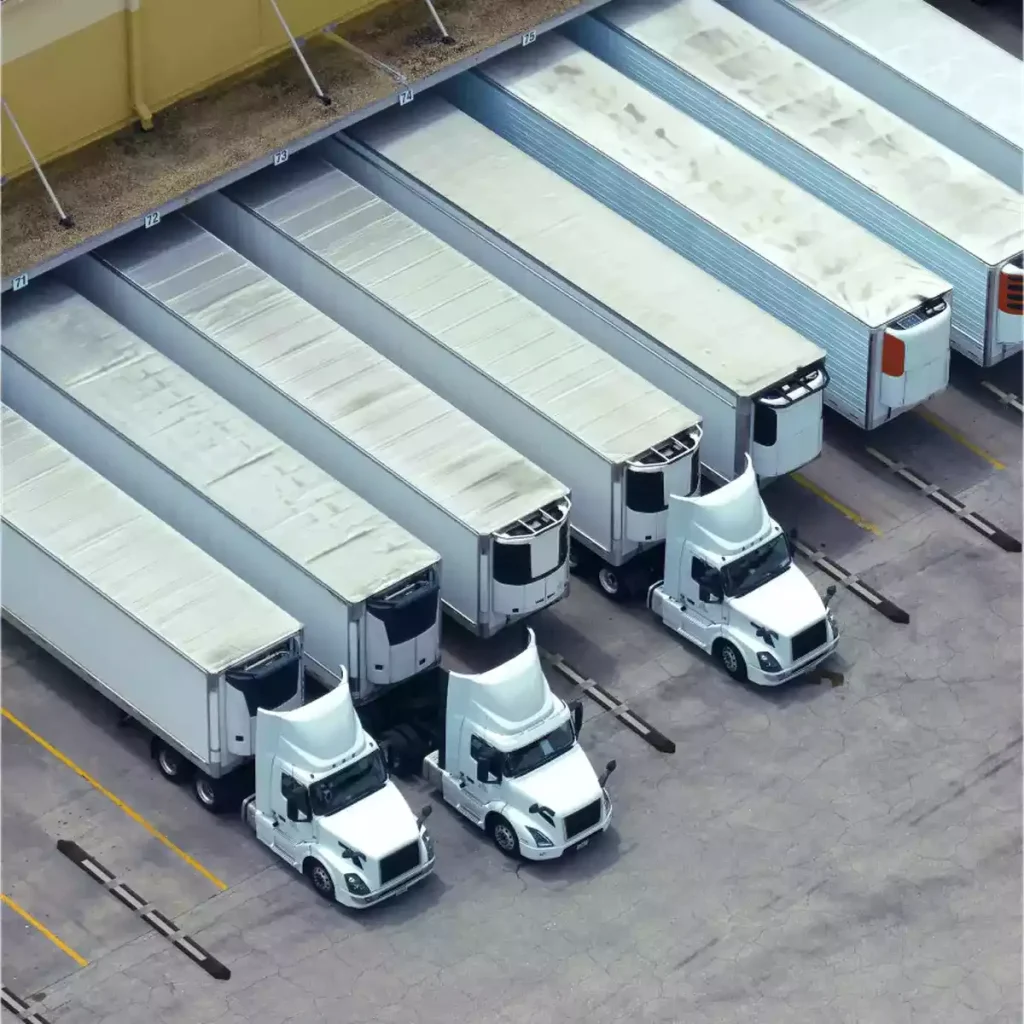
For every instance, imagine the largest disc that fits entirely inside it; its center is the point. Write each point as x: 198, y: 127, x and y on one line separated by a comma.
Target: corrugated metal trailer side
x: 617, y: 441
x: 755, y: 382
x: 918, y: 62
x: 784, y: 249
x: 216, y: 476
x: 868, y: 164
x: 499, y: 522
x: 129, y: 605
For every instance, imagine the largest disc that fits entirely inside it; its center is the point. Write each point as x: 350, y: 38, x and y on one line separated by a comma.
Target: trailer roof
x: 340, y: 540
x: 126, y: 553
x: 935, y: 52
x: 376, y: 406
x: 724, y: 186
x: 566, y: 378
x: 590, y: 246
x: 824, y: 115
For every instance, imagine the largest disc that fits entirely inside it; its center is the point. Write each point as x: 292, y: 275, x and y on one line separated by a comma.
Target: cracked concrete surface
x: 848, y: 853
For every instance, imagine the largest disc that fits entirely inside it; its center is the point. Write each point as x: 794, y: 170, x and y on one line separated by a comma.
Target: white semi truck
x: 210, y: 667
x: 865, y: 162
x: 732, y: 588
x: 917, y: 61
x: 618, y: 442
x: 882, y: 320
x: 499, y: 522
x: 366, y: 590
x: 756, y: 383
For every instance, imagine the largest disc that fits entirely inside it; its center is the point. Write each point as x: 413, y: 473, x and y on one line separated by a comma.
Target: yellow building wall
x: 65, y: 71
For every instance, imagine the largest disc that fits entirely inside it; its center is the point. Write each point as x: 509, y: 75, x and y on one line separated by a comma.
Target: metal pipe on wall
x: 134, y: 12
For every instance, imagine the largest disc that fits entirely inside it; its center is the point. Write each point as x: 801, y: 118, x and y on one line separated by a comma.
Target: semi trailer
x: 865, y: 162
x: 915, y: 60
x: 366, y: 590
x: 619, y: 443
x: 883, y: 320
x: 756, y: 384
x: 210, y: 667
x: 499, y: 522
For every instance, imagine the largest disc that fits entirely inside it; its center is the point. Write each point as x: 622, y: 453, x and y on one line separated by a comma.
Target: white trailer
x: 141, y: 614
x: 618, y: 442
x: 924, y: 66
x: 756, y: 384
x: 883, y: 321
x: 862, y: 160
x: 366, y: 591
x: 500, y: 523
x: 208, y: 665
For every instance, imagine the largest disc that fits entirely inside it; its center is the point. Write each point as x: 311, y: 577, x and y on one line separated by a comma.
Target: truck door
x: 468, y: 794
x: 702, y: 602
x: 292, y: 819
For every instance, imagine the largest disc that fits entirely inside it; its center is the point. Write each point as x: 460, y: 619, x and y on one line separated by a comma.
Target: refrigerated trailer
x: 868, y: 164
x: 917, y: 61
x: 618, y: 442
x: 756, y: 384
x: 500, y: 523
x: 146, y: 618
x: 883, y: 320
x: 366, y: 591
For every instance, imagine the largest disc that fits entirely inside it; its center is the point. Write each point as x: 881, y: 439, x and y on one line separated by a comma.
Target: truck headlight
x: 356, y: 885
x: 428, y: 844
x: 538, y: 837
x: 768, y: 662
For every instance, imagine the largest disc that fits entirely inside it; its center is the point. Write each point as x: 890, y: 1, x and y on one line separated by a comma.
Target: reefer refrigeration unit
x: 366, y: 591
x: 883, y: 320
x: 618, y: 442
x: 500, y: 523
x: 142, y: 615
x: 862, y: 160
x: 756, y: 384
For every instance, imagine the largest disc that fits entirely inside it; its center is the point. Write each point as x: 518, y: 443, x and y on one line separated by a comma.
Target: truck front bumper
x: 395, y: 888
x: 759, y: 677
x: 530, y: 851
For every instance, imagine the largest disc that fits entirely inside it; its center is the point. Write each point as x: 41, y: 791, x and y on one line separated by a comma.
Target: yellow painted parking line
x: 950, y: 431
x: 116, y: 801
x: 842, y: 509
x: 43, y: 930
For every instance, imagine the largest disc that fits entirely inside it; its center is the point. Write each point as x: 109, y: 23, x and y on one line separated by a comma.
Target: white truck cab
x: 325, y: 804
x: 732, y: 588
x: 510, y: 761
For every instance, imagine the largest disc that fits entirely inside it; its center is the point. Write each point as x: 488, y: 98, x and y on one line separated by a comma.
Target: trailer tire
x: 212, y: 794
x: 320, y: 878
x: 503, y: 835
x: 731, y: 660
x: 612, y: 584
x: 171, y: 765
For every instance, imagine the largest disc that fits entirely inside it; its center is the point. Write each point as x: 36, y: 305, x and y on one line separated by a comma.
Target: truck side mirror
x: 608, y: 769
x: 830, y: 592
x: 297, y: 812
x: 424, y: 814
x: 488, y: 769
x: 709, y: 596
x: 576, y: 710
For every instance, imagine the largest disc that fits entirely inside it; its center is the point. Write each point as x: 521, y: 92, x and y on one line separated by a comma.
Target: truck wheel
x: 504, y: 837
x: 209, y: 792
x: 320, y: 878
x: 171, y: 764
x: 731, y: 660
x: 611, y: 584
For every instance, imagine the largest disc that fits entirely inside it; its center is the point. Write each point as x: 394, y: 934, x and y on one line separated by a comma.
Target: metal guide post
x: 321, y: 95
x: 62, y: 218
x: 445, y: 38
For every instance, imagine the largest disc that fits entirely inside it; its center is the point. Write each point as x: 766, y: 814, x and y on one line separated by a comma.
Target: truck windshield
x: 345, y: 787
x: 756, y: 568
x: 547, y: 748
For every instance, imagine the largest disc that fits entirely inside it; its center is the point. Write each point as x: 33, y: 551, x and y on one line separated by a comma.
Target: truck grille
x: 579, y: 821
x: 399, y: 862
x: 810, y: 640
